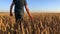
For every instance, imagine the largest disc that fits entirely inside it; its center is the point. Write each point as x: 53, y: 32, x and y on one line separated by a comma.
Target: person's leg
x: 18, y: 17
x: 16, y: 20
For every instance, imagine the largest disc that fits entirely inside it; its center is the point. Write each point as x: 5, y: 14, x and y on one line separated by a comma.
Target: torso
x: 19, y: 4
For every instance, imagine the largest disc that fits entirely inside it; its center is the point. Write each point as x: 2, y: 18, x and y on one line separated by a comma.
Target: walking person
x: 19, y: 9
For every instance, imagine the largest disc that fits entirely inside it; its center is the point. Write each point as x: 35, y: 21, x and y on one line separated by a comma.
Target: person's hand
x: 11, y: 14
x: 31, y: 17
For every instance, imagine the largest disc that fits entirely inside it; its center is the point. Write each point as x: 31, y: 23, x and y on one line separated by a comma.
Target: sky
x: 34, y: 5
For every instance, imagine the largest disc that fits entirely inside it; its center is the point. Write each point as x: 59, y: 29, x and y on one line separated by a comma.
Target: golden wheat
x: 43, y: 23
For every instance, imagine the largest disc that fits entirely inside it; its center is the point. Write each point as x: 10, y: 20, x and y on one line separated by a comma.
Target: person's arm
x: 27, y: 10
x: 11, y: 7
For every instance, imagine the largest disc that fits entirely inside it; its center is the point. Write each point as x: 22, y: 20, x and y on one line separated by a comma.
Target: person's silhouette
x: 19, y: 9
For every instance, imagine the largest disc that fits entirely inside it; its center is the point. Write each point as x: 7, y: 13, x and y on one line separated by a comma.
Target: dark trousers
x: 19, y: 14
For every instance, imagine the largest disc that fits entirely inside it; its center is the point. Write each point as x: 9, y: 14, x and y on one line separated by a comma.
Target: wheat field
x: 43, y: 23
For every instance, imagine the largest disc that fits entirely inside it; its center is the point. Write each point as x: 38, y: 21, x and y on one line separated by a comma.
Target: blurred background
x: 34, y: 5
